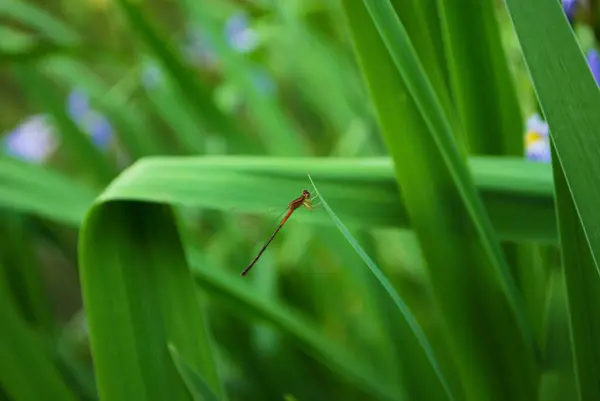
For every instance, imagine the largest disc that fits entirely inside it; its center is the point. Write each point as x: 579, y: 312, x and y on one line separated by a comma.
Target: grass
x: 442, y: 264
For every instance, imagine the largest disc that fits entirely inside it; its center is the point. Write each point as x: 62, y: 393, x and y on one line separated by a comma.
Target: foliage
x: 441, y: 263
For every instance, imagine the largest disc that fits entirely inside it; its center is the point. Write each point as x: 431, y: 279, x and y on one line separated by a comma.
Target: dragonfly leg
x: 309, y: 205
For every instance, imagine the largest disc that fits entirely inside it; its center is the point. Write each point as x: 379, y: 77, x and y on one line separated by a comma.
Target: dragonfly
x: 303, y: 200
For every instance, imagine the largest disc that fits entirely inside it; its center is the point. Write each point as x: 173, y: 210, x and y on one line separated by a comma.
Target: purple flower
x: 77, y: 104
x: 33, y: 140
x: 570, y: 8
x: 99, y: 128
x: 239, y: 34
x: 593, y: 60
x: 537, y: 140
x: 89, y: 120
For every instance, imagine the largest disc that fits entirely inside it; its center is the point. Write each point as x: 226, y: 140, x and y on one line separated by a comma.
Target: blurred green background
x: 149, y: 146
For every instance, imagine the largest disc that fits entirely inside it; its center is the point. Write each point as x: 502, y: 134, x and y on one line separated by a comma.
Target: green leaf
x: 42, y: 192
x: 194, y: 91
x: 25, y: 279
x: 482, y: 87
x: 420, y: 380
x: 569, y: 97
x: 193, y: 380
x: 36, y: 17
x: 421, y: 21
x: 20, y: 47
x: 363, y: 193
x: 583, y: 291
x: 27, y: 372
x: 139, y: 296
x: 249, y: 304
x: 76, y: 143
x: 278, y: 133
x: 128, y: 118
x: 486, y: 102
x: 173, y: 109
x: 483, y: 315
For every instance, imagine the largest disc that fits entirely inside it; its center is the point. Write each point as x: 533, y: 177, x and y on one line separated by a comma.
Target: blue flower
x: 77, y: 104
x: 537, y: 140
x: 33, y: 140
x: 593, y: 60
x: 570, y: 8
x: 89, y: 120
x: 99, y: 128
x: 239, y: 34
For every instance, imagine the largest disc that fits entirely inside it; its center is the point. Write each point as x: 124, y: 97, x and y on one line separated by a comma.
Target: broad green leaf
x: 583, y: 291
x: 422, y: 375
x: 362, y: 192
x: 139, y: 296
x: 569, y: 98
x: 421, y: 21
x: 42, y: 192
x: 491, y: 342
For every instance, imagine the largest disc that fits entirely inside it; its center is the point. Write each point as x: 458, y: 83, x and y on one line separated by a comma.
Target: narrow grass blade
x: 128, y: 117
x: 193, y: 380
x: 26, y: 370
x: 483, y: 316
x: 76, y: 143
x: 33, y: 50
x: 277, y: 131
x: 195, y: 92
x: 25, y: 278
x: 173, y: 109
x: 482, y: 88
x: 247, y: 303
x: 412, y: 337
x: 323, y: 75
x: 39, y: 19
x: 139, y: 295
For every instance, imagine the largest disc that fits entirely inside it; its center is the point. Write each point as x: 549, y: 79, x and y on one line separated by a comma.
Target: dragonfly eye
x: 306, y: 193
